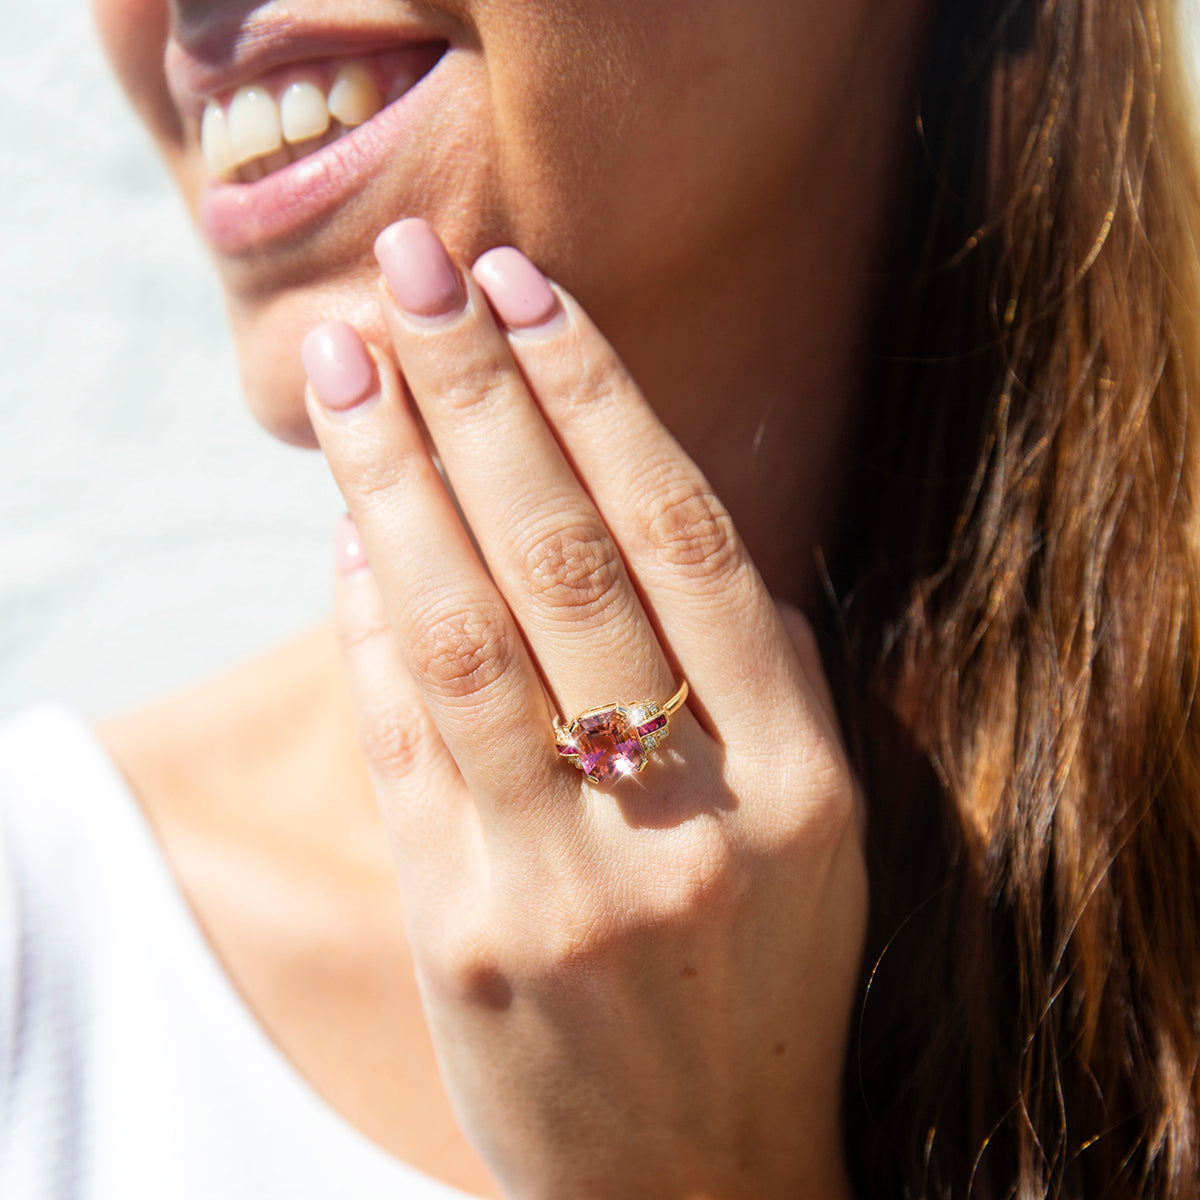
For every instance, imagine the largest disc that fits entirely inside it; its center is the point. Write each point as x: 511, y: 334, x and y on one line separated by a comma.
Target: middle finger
x: 548, y: 548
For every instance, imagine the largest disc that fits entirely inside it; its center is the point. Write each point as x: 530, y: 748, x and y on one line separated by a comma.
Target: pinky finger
x: 421, y: 793
x: 804, y: 642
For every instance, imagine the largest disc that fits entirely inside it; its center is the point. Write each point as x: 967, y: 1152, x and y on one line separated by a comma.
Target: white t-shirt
x: 130, y: 1068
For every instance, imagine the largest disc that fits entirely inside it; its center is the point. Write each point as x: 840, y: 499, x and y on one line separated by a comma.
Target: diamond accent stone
x: 607, y: 744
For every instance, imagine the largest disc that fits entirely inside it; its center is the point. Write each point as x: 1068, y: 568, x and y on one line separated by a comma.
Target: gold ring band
x: 612, y: 741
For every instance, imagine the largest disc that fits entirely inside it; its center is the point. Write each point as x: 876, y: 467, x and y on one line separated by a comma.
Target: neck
x: 766, y: 405
x: 757, y: 358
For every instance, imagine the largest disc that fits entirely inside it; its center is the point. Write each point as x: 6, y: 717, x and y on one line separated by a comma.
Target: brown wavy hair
x: 1021, y: 619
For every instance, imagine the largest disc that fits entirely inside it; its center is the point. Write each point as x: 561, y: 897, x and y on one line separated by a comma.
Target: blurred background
x: 150, y: 532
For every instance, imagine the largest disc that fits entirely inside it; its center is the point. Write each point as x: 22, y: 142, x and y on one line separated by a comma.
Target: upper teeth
x: 303, y: 113
x: 257, y: 126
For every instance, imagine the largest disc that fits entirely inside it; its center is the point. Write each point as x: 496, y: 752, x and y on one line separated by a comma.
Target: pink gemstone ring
x: 612, y: 741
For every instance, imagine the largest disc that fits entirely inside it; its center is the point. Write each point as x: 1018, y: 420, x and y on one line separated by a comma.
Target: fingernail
x: 418, y: 269
x: 517, y: 289
x: 347, y: 547
x: 338, y: 365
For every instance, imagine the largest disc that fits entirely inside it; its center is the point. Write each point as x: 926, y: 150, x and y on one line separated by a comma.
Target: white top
x: 129, y: 1065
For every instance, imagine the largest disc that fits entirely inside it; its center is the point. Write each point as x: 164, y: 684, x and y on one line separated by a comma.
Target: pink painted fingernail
x: 517, y: 289
x: 418, y: 269
x: 347, y: 546
x: 338, y: 365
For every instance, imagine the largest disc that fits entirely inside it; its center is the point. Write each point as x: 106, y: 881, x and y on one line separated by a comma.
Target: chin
x: 278, y: 406
x: 268, y: 338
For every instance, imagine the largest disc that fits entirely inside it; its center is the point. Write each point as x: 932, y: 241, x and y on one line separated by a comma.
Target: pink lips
x: 240, y: 218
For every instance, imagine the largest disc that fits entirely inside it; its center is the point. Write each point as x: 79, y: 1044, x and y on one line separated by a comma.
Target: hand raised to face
x: 642, y: 988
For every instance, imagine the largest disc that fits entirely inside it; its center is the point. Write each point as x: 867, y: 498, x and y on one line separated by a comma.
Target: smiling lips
x: 306, y: 133
x: 293, y: 112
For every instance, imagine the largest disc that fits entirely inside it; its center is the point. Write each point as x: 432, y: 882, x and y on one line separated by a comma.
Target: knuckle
x: 378, y: 478
x: 464, y: 652
x: 575, y: 568
x: 470, y: 384
x: 581, y: 383
x: 365, y: 634
x: 690, y: 532
x: 391, y: 742
x: 597, y: 383
x: 821, y: 778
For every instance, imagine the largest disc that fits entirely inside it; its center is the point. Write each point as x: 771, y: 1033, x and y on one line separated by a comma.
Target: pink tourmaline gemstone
x: 608, y: 745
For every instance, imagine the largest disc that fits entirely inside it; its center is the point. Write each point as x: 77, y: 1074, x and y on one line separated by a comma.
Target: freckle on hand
x: 489, y: 988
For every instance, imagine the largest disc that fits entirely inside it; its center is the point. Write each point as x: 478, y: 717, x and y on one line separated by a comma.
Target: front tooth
x: 354, y: 97
x: 214, y: 142
x: 303, y: 113
x: 253, y: 121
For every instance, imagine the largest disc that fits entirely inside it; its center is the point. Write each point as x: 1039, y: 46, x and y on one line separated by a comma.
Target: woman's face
x: 625, y: 145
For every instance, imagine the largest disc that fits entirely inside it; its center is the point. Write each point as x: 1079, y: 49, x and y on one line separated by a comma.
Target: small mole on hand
x: 780, y: 1048
x: 489, y: 988
x: 688, y: 972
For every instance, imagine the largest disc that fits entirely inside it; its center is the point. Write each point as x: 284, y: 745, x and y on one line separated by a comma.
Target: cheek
x: 632, y: 147
x: 134, y: 36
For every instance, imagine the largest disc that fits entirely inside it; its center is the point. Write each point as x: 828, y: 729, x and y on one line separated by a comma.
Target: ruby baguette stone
x: 659, y: 722
x: 607, y: 744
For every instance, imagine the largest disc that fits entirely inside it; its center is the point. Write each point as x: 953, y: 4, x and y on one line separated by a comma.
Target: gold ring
x: 612, y: 741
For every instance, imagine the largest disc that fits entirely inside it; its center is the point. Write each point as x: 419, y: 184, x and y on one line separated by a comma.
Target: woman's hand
x: 635, y: 990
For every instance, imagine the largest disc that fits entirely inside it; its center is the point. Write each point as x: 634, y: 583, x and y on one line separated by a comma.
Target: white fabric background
x: 150, y: 532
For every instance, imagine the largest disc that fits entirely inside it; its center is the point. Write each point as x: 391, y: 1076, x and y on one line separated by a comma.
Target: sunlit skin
x: 712, y: 182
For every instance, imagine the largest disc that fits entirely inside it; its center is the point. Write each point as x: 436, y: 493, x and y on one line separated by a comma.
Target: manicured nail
x: 418, y: 269
x: 347, y: 546
x: 338, y: 365
x: 517, y: 289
